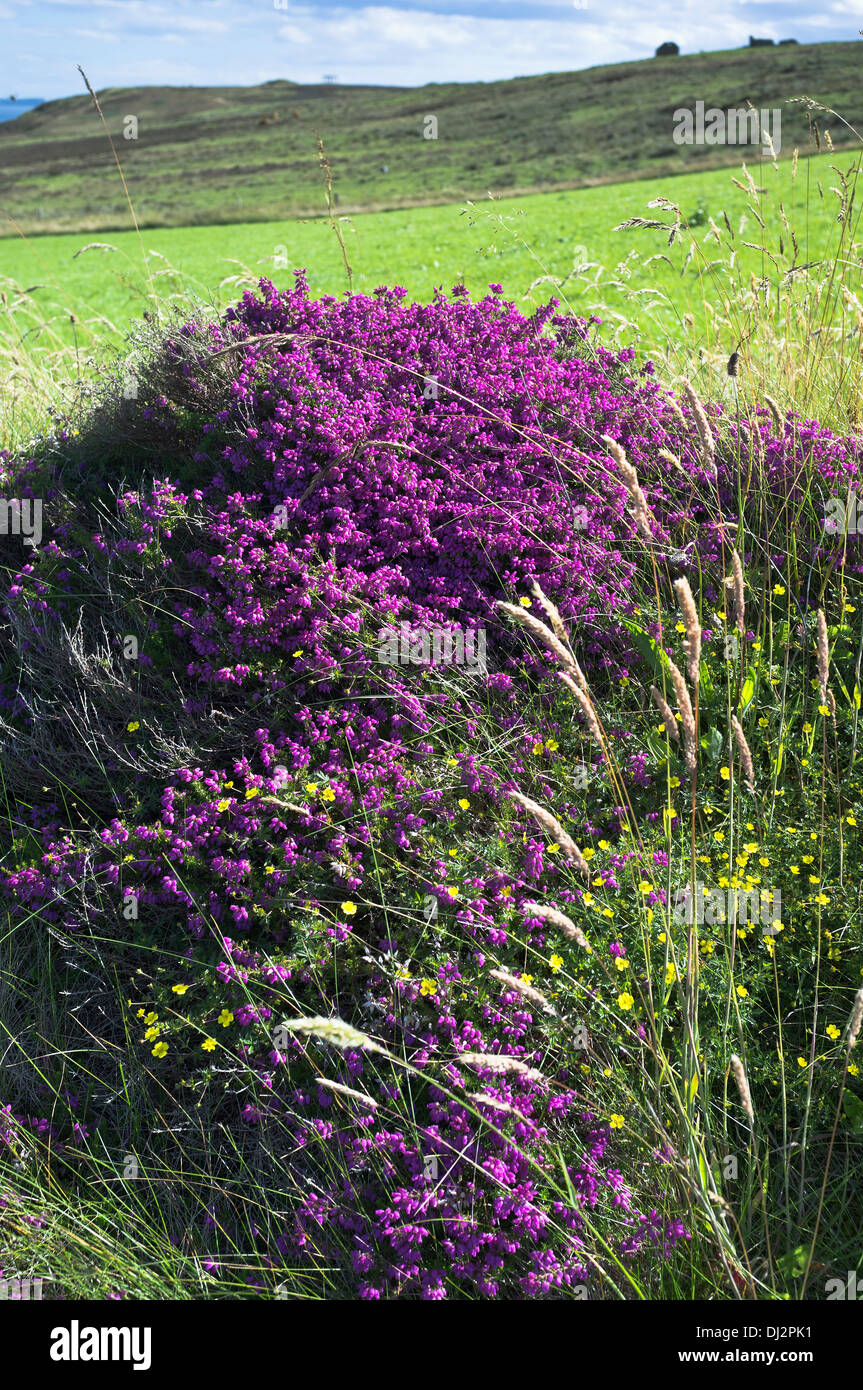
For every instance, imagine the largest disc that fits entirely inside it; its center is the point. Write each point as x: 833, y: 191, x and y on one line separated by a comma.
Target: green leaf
x: 648, y: 649
x: 746, y: 694
x: 793, y: 1264
x: 714, y: 745
x: 854, y: 1113
x: 705, y: 681
x: 657, y: 746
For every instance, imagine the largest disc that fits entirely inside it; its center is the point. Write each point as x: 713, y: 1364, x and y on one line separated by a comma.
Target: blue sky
x: 125, y: 43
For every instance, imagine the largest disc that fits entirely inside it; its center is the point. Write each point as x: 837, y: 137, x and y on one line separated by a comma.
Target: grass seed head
x: 533, y: 996
x: 737, y: 592
x: 553, y: 827
x: 745, y: 753
x: 641, y: 513
x: 692, y: 636
x: 544, y: 634
x: 332, y: 1030
x: 705, y: 434
x: 743, y: 1087
x: 823, y: 649
x: 668, y: 718
x: 557, y: 919
x: 856, y: 1019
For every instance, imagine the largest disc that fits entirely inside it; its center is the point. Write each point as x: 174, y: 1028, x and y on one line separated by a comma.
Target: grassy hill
x: 228, y: 154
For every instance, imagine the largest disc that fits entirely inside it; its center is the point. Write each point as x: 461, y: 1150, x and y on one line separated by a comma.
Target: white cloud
x: 234, y: 42
x: 292, y: 34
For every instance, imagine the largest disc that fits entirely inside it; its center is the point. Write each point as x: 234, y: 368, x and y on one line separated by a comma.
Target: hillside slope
x: 205, y: 155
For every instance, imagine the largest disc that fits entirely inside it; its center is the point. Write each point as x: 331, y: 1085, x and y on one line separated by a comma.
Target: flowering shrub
x: 265, y: 820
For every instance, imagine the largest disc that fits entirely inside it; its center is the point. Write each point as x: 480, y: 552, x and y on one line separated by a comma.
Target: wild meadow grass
x: 694, y: 731
x: 69, y: 300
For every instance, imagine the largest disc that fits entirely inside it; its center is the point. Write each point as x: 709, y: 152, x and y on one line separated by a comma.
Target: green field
x: 631, y: 273
x: 218, y: 155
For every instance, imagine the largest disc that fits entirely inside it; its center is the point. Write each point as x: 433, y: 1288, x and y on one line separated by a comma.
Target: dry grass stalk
x: 675, y: 410
x: 550, y: 610
x: 554, y: 828
x: 483, y: 1098
x: 705, y: 435
x: 553, y: 615
x: 557, y: 919
x: 668, y: 718
x: 692, y: 636
x: 743, y: 1087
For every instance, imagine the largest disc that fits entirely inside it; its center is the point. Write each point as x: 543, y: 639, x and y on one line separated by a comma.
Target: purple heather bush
x: 260, y: 812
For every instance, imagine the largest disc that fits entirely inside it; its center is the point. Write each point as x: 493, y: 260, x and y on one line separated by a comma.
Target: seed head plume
x: 493, y: 1061
x: 823, y: 649
x: 856, y: 1019
x: 737, y: 592
x: 705, y: 435
x: 743, y: 1087
x: 332, y: 1030
x: 692, y: 637
x: 586, y: 707
x: 687, y: 717
x: 504, y: 1106
x: 668, y: 718
x: 641, y: 513
x: 668, y: 457
x: 776, y: 414
x: 675, y: 409
x: 557, y: 919
x: 554, y: 828
x: 544, y: 634
x: 533, y: 996
x: 745, y: 754
x: 551, y: 611
x: 347, y: 1091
